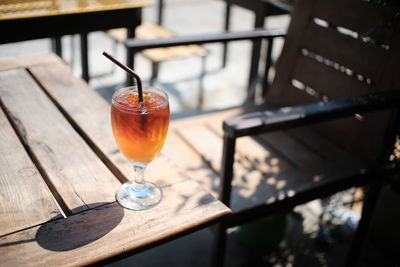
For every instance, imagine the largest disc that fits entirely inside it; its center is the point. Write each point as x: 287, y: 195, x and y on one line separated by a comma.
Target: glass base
x: 138, y: 197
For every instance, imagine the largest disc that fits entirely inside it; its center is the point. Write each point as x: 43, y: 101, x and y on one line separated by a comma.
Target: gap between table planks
x: 24, y: 202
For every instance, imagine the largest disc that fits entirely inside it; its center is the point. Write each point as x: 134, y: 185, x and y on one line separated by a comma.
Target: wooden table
x: 22, y: 20
x: 60, y: 169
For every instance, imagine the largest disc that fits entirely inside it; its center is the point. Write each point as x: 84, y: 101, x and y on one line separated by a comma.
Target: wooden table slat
x: 189, y: 161
x: 205, y: 142
x: 29, y: 61
x: 111, y: 230
x: 76, y: 175
x: 25, y: 200
x: 86, y: 110
x: 20, y: 9
x: 92, y: 120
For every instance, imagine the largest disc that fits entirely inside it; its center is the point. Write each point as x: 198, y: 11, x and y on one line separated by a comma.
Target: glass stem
x: 139, y: 173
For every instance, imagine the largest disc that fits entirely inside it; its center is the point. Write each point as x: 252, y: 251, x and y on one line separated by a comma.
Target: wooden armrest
x: 289, y: 117
x: 138, y: 45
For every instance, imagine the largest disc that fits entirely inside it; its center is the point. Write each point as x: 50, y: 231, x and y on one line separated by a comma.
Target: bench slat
x: 328, y: 81
x: 364, y: 17
x: 356, y: 55
x: 148, y: 30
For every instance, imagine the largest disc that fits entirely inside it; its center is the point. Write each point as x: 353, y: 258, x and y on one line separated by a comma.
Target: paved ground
x: 223, y: 88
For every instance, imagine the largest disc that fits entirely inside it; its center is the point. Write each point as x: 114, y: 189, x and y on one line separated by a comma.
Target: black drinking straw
x: 130, y: 72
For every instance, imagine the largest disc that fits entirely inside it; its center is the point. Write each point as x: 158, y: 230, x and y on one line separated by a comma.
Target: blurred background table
x: 60, y: 169
x: 22, y: 20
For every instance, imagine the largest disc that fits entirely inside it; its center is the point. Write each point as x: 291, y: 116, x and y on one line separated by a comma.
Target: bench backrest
x: 336, y: 49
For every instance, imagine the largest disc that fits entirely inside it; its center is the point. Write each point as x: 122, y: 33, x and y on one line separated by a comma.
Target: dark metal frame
x: 135, y: 46
x: 15, y: 30
x: 156, y: 65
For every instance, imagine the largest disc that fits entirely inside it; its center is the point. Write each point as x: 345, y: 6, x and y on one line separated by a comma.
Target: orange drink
x: 140, y: 131
x: 139, y: 120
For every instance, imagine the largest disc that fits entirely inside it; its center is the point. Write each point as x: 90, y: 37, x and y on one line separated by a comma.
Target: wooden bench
x: 311, y: 136
x: 148, y: 30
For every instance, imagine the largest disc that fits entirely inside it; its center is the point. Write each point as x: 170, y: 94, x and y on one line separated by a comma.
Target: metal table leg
x: 255, y: 56
x: 227, y: 24
x: 56, y: 45
x: 130, y: 61
x: 84, y: 56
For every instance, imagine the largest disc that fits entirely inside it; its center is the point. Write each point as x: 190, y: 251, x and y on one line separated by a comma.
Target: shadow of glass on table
x: 80, y: 229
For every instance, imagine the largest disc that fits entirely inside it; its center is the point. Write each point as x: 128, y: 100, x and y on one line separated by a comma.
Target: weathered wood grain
x: 328, y: 81
x: 362, y: 58
x: 25, y: 200
x: 206, y: 143
x: 278, y: 95
x: 86, y: 110
x: 369, y: 18
x: 93, y: 122
x: 28, y: 61
x: 111, y: 230
x: 76, y: 176
x: 105, y: 229
x: 190, y: 162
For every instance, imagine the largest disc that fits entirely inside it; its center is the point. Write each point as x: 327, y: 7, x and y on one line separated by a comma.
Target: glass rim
x: 134, y: 88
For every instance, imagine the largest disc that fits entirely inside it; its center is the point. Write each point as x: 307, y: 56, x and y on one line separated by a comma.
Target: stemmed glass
x: 139, y: 128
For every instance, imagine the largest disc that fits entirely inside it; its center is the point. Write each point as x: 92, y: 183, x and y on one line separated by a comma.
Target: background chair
x: 149, y: 30
x: 261, y: 10
x: 335, y: 63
